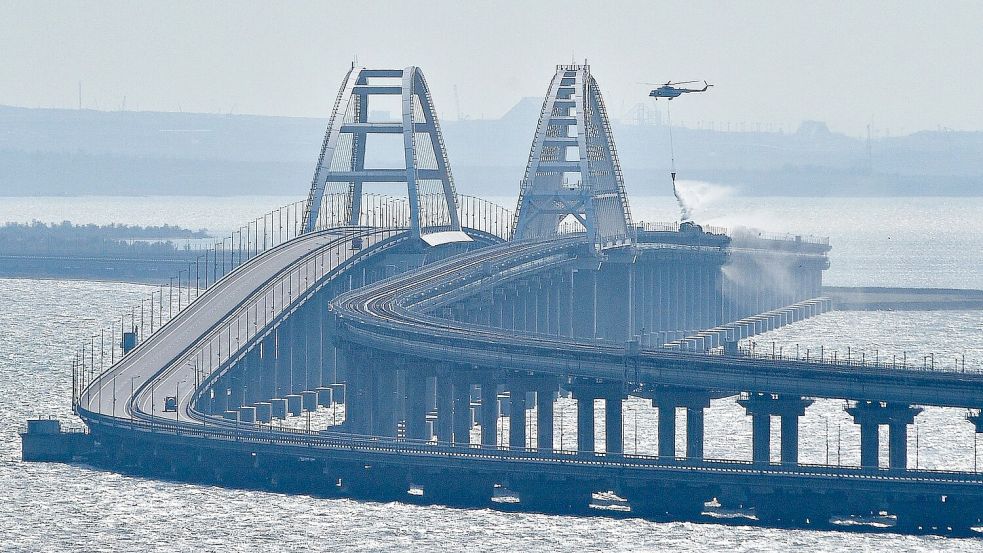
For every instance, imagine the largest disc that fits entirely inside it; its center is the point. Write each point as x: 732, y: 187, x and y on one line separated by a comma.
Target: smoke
x: 697, y: 197
x: 685, y: 213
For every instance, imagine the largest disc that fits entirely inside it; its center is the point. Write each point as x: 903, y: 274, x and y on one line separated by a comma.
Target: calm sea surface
x: 889, y: 242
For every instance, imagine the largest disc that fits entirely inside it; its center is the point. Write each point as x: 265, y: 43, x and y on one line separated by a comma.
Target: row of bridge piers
x: 418, y: 401
x: 387, y: 395
x: 618, y: 299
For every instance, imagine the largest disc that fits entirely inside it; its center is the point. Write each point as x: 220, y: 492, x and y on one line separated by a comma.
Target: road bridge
x: 424, y: 318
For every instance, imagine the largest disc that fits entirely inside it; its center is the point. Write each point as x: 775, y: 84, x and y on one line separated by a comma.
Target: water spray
x: 669, y: 91
x: 685, y: 213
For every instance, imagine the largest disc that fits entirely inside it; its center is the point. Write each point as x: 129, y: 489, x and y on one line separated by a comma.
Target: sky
x: 899, y: 67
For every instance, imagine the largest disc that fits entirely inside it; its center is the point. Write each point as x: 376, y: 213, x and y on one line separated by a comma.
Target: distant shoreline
x: 884, y: 298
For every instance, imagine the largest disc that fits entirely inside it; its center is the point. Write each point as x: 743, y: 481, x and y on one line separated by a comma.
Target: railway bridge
x: 436, y: 332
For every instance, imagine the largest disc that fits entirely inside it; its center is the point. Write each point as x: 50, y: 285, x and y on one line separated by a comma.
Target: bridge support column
x: 523, y: 312
x: 267, y: 350
x: 585, y: 392
x: 445, y: 407
x: 281, y: 363
x: 869, y: 445
x: 563, y: 298
x: 298, y: 350
x: 898, y: 445
x: 667, y: 399
x: 462, y: 412
x: 790, y: 439
x: 517, y: 416
x: 509, y: 303
x: 544, y: 418
x: 667, y: 431
x: 416, y: 405
x: 495, y: 311
x: 544, y: 316
x: 584, y: 301
x: 761, y: 407
x: 761, y: 438
x: 694, y: 433
x: 585, y: 422
x: 384, y: 400
x: 489, y: 414
x: 616, y: 297
x: 356, y: 392
x: 614, y: 438
x: 870, y: 415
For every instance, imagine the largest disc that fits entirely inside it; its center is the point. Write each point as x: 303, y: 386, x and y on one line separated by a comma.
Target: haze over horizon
x: 899, y: 67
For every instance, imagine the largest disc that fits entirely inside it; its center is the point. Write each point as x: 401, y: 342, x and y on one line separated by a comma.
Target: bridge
x: 439, y: 331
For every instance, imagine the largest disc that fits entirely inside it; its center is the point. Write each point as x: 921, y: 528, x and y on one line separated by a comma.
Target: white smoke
x: 685, y: 214
x: 695, y: 198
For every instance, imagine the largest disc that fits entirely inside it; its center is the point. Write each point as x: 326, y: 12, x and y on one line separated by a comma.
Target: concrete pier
x: 278, y: 408
x: 461, y: 406
x: 761, y: 407
x: 585, y: 420
x: 264, y: 411
x: 489, y: 414
x: 309, y: 400
x: 295, y: 405
x: 870, y: 415
x: 668, y: 400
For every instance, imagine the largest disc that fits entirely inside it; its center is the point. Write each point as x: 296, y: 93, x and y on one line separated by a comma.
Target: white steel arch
x: 341, y: 166
x: 573, y: 169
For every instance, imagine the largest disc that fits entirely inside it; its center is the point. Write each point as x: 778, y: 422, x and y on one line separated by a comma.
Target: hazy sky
x: 902, y: 66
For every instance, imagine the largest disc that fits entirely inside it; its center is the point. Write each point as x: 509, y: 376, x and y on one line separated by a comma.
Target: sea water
x: 63, y: 507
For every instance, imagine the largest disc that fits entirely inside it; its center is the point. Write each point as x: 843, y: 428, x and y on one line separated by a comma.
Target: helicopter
x: 670, y: 91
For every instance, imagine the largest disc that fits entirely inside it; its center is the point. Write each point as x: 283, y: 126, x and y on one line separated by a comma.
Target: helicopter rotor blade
x: 682, y: 82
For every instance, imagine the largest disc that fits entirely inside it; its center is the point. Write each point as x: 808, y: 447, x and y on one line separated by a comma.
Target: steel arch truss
x: 336, y: 191
x: 573, y: 176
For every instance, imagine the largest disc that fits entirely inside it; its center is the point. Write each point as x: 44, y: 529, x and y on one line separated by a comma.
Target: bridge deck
x: 385, y: 316
x: 159, y: 366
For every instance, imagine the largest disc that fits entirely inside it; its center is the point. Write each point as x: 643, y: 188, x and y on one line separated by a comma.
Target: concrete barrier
x: 247, y: 413
x: 264, y: 411
x: 324, y: 396
x: 309, y: 400
x: 278, y: 408
x: 294, y: 404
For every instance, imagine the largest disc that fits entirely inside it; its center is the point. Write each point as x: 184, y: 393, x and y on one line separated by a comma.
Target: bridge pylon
x: 573, y: 176
x: 342, y: 170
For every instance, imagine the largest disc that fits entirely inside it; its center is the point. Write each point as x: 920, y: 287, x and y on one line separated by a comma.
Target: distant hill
x: 73, y: 152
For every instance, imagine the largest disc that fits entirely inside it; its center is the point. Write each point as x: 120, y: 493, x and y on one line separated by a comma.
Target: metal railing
x: 256, y: 433
x: 136, y: 325
x: 111, y: 344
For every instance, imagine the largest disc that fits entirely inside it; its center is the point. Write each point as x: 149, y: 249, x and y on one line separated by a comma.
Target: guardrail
x: 112, y: 343
x: 256, y: 433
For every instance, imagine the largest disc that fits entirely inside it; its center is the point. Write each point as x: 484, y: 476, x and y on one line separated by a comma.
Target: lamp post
x: 561, y: 428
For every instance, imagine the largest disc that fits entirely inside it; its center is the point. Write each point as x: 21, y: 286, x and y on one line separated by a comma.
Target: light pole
x: 838, y: 444
x: 177, y: 399
x: 153, y: 404
x: 827, y: 440
x: 561, y: 428
x: 917, y: 432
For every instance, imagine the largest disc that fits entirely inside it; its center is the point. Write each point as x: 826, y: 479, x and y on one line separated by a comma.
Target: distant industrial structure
x: 424, y: 318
